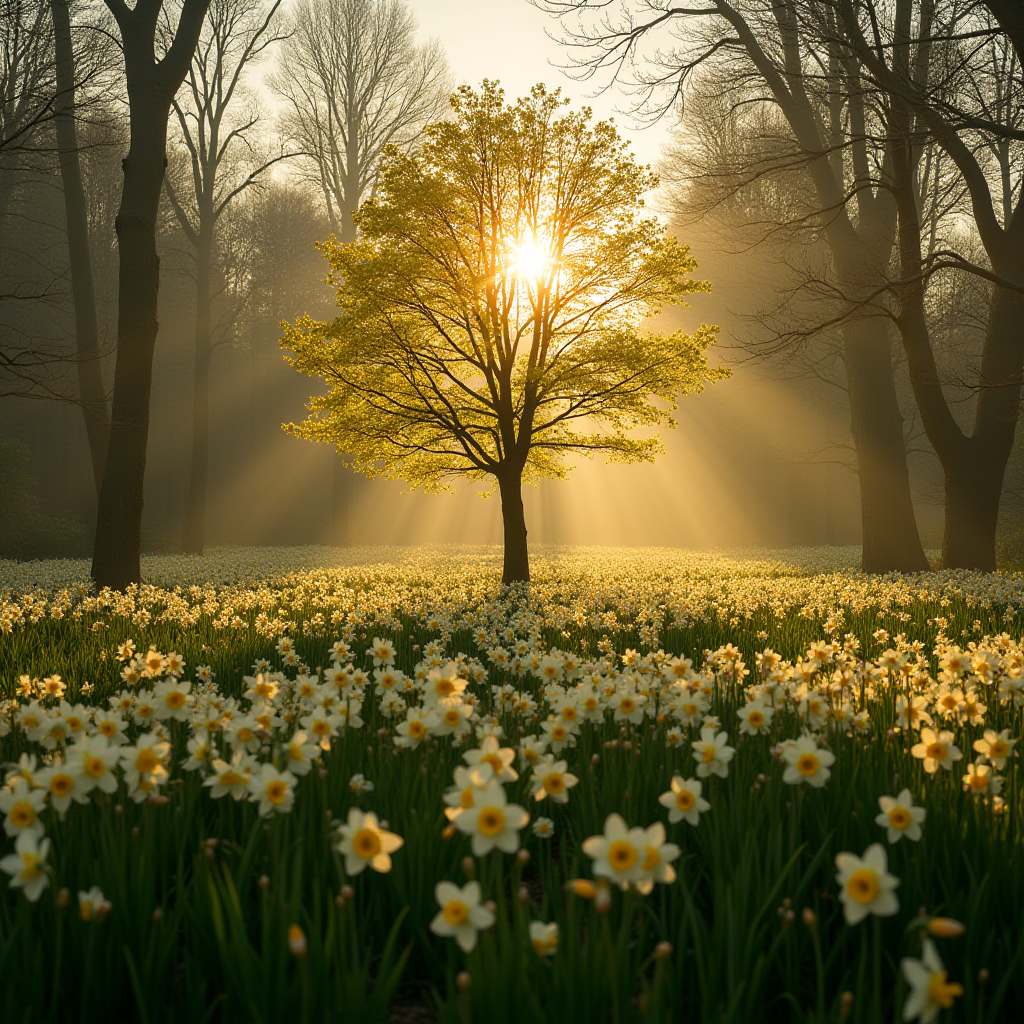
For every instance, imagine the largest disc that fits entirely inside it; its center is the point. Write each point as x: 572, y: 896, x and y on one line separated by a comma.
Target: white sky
x: 507, y: 40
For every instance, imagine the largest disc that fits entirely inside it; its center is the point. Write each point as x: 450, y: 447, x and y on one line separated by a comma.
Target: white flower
x: 996, y: 747
x: 359, y: 784
x: 92, y: 761
x: 461, y: 915
x: 22, y: 807
x: 930, y: 992
x: 619, y: 853
x: 364, y: 843
x: 807, y: 763
x: 865, y: 885
x: 300, y: 754
x: 417, y: 726
x: 900, y: 817
x: 59, y: 784
x: 658, y: 857
x: 492, y: 821
x: 274, y: 790
x: 980, y: 780
x: 27, y: 865
x: 684, y: 801
x: 499, y: 758
x: 93, y: 904
x: 543, y: 828
x: 937, y: 750
x: 550, y: 779
x: 233, y: 778
x: 712, y: 753
x: 755, y: 718
x: 544, y: 937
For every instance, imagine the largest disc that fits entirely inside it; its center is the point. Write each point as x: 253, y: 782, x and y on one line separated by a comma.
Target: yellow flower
x: 364, y: 843
x: 544, y: 937
x: 461, y: 915
x: 865, y: 885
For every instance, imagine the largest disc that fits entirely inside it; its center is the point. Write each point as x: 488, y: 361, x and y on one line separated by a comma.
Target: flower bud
x: 945, y: 928
x: 330, y: 815
x: 63, y: 898
x: 663, y: 950
x: 323, y: 773
x: 627, y: 746
x: 469, y: 867
x: 582, y: 887
x: 523, y: 895
x: 264, y: 883
x: 491, y: 906
x: 809, y: 917
x: 118, y: 810
x: 347, y: 892
x: 845, y: 1005
x: 523, y: 857
x: 983, y: 976
x: 463, y: 981
x: 296, y: 942
x: 595, y: 758
x: 448, y: 832
x: 158, y: 915
x: 603, y: 900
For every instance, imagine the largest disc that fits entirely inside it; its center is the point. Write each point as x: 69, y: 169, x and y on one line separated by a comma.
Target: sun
x: 532, y: 258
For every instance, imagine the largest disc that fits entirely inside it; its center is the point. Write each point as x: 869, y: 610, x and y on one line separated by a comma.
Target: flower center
x: 553, y: 782
x: 569, y: 713
x: 495, y: 762
x: 456, y: 912
x: 558, y: 733
x: 175, y: 700
x: 685, y: 800
x: 452, y: 717
x: 491, y: 821
x: 808, y: 765
x: 653, y: 858
x: 22, y: 815
x: 366, y: 843
x: 444, y: 687
x: 60, y: 785
x: 943, y: 992
x: 937, y: 751
x: 979, y: 782
x: 627, y: 706
x: 95, y: 767
x: 230, y: 779
x: 709, y: 755
x: 277, y: 791
x: 756, y: 719
x: 147, y: 761
x: 622, y: 855
x: 862, y: 886
x: 899, y: 817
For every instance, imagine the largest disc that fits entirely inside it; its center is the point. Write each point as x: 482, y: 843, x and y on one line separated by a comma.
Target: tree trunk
x: 891, y: 542
x: 90, y: 375
x: 194, y: 534
x: 975, y: 469
x: 116, y: 555
x: 516, y: 568
x: 344, y: 479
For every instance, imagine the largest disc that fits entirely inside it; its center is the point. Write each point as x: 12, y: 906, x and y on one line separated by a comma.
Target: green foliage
x: 492, y: 312
x: 25, y: 532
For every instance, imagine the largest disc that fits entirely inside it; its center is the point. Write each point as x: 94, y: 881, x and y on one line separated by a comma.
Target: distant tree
x: 491, y: 312
x: 354, y: 81
x: 217, y: 137
x: 152, y: 84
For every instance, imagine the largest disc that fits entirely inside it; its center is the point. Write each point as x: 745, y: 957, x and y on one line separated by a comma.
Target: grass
x: 204, y: 891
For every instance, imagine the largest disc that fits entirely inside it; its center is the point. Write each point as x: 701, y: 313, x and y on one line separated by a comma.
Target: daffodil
x: 937, y: 750
x: 544, y: 937
x: 865, y: 885
x: 658, y: 857
x: 144, y: 765
x: 755, y: 718
x: 684, y: 801
x: 363, y: 843
x: 930, y: 991
x: 233, y: 777
x: 980, y: 780
x: 462, y: 795
x: 900, y: 817
x: 492, y: 821
x: 499, y: 758
x: 543, y: 828
x: 27, y: 865
x: 461, y: 915
x: 807, y: 762
x: 93, y: 905
x: 996, y: 747
x: 273, y: 790
x: 619, y: 853
x: 22, y: 807
x: 550, y: 779
x: 712, y: 753
x: 418, y: 725
x: 59, y: 785
x: 92, y: 762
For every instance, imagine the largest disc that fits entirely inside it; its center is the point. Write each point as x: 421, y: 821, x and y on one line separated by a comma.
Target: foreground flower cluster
x: 532, y: 731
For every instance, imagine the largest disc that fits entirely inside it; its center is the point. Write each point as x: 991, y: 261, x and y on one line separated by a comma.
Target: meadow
x: 657, y: 785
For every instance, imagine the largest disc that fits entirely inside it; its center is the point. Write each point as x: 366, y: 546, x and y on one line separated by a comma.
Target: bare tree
x: 354, y: 81
x: 236, y: 36
x: 940, y: 97
x: 91, y: 392
x: 152, y: 84
x: 765, y: 49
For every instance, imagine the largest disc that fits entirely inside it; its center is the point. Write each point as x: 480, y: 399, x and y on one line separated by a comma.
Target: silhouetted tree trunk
x: 151, y: 88
x: 90, y: 375
x: 516, y: 567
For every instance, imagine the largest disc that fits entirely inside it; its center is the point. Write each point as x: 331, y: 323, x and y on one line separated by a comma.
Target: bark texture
x: 516, y: 566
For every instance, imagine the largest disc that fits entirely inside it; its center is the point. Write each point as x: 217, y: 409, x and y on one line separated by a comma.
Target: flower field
x: 304, y: 785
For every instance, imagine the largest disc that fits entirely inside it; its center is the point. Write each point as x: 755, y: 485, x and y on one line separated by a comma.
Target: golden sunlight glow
x: 532, y: 258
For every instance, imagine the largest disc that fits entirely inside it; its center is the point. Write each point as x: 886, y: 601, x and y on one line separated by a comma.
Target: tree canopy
x: 493, y: 308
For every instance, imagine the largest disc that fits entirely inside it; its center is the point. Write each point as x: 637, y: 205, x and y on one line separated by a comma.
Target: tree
x: 491, y: 313
x: 91, y: 392
x: 766, y: 54
x: 354, y: 81
x: 949, y: 107
x: 236, y: 35
x: 152, y: 85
